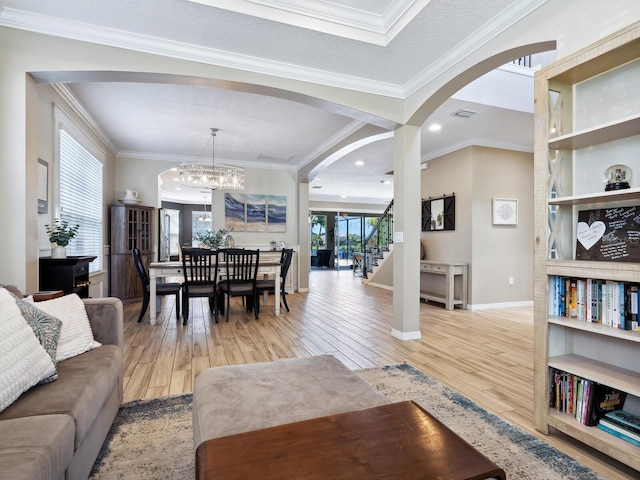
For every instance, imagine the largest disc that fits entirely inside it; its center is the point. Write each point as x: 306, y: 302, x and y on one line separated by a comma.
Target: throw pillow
x: 23, y: 361
x: 47, y: 329
x: 76, y: 336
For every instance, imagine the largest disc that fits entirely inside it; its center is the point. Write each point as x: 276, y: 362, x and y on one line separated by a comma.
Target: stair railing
x: 378, y: 240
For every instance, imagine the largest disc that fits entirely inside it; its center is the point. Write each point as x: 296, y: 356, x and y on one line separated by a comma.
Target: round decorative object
x: 616, y: 177
x: 283, y: 245
x: 229, y: 242
x: 58, y: 252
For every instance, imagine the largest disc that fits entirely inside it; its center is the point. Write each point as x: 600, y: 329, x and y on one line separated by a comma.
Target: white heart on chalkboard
x: 588, y: 235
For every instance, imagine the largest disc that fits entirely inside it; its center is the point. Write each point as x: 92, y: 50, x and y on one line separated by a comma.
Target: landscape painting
x: 234, y: 212
x: 256, y: 213
x: 276, y: 213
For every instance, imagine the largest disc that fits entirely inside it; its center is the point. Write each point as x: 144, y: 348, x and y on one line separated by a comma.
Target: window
x: 81, y: 198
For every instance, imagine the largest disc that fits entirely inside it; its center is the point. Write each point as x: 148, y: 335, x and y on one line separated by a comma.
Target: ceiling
x: 384, y: 47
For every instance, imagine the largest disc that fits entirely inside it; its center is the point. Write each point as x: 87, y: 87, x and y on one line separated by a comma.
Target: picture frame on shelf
x: 505, y: 211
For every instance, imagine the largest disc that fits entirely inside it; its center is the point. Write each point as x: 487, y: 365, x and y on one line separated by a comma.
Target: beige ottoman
x: 241, y: 398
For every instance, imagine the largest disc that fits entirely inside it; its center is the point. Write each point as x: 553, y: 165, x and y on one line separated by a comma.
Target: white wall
x: 142, y: 176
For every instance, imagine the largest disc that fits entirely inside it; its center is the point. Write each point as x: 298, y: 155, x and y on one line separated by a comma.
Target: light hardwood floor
x: 486, y: 355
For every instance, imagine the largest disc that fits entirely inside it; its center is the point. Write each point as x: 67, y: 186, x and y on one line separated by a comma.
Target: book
x: 603, y: 400
x: 607, y: 429
x: 623, y: 429
x: 625, y: 418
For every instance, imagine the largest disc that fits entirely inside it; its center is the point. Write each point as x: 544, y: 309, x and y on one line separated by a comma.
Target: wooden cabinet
x: 587, y: 118
x: 71, y: 274
x: 131, y: 227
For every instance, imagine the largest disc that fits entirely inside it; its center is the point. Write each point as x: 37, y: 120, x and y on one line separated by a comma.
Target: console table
x: 449, y: 270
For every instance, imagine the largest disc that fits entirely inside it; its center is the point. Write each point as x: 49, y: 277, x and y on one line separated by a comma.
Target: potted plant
x: 60, y: 233
x: 211, y: 239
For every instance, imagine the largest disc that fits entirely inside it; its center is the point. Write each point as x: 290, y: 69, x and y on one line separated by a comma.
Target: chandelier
x: 212, y: 176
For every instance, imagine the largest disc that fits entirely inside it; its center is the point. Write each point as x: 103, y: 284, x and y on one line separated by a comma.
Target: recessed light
x: 385, y: 182
x: 435, y: 127
x: 359, y: 163
x: 343, y: 196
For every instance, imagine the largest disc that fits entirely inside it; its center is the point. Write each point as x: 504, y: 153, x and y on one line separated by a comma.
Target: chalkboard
x: 610, y: 234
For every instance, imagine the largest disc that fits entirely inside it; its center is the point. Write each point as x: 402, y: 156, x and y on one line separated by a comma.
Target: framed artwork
x: 234, y: 212
x: 43, y: 186
x: 505, y: 211
x: 439, y: 214
x: 256, y: 213
x: 276, y: 213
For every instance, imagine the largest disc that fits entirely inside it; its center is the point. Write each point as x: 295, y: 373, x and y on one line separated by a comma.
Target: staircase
x: 378, y: 245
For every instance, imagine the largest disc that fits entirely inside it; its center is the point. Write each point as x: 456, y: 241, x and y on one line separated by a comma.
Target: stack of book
x: 607, y: 302
x: 585, y: 399
x: 623, y: 425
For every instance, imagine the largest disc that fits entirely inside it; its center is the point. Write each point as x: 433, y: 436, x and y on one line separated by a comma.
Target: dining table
x: 176, y: 269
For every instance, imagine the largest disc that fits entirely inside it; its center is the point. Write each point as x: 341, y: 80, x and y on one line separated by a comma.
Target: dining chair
x: 269, y: 285
x: 162, y: 288
x: 240, y: 277
x: 200, y: 269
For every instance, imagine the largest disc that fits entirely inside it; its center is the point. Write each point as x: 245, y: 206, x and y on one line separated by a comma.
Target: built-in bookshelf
x: 587, y: 118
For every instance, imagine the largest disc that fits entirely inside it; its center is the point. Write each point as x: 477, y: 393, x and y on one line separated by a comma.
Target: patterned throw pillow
x: 23, y: 361
x: 47, y: 330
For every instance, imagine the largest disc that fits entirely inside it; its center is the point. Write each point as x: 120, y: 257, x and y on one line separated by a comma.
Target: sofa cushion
x: 85, y: 381
x: 36, y: 448
x: 23, y: 361
x: 76, y: 336
x: 47, y: 329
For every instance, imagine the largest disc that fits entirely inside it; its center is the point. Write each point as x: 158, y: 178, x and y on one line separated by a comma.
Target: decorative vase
x: 58, y: 252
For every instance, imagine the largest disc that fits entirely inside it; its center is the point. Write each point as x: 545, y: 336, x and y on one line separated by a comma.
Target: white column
x: 406, y: 231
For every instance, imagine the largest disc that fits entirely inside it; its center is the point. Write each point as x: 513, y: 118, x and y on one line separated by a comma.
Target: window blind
x: 81, y: 198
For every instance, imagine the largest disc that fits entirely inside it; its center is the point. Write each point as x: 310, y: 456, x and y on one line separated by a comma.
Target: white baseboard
x: 380, y: 285
x: 492, y: 306
x: 406, y: 335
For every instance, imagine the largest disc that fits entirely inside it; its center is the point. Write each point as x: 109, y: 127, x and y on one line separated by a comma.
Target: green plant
x: 211, y: 239
x: 61, y: 232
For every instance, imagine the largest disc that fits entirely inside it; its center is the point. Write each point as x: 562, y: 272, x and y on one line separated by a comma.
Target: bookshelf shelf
x: 599, y: 197
x: 615, y: 377
x: 595, y: 328
x: 589, y: 137
x: 584, y: 97
x: 594, y: 437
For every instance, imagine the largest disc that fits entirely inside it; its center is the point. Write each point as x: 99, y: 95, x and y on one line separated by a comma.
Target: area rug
x: 152, y: 439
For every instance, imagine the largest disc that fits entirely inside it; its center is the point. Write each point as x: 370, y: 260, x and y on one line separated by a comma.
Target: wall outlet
x: 510, y: 280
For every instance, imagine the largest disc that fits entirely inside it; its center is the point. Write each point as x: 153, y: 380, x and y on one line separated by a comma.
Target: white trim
x: 71, y: 100
x: 405, y: 336
x: 492, y: 306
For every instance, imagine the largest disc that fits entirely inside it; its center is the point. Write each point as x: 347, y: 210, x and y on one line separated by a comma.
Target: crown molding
x: 377, y: 28
x: 500, y: 23
x: 47, y: 25
x: 71, y: 100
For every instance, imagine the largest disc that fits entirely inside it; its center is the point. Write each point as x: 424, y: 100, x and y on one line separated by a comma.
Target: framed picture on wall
x: 505, y: 211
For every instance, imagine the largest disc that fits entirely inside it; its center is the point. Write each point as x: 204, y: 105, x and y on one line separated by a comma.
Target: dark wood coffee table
x: 395, y: 441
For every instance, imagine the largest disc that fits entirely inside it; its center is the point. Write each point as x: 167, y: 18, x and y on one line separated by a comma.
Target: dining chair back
x: 162, y: 288
x: 240, y: 277
x: 269, y: 286
x: 200, y: 267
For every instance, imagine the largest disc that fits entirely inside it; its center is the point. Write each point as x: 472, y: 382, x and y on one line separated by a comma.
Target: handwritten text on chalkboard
x: 610, y: 234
